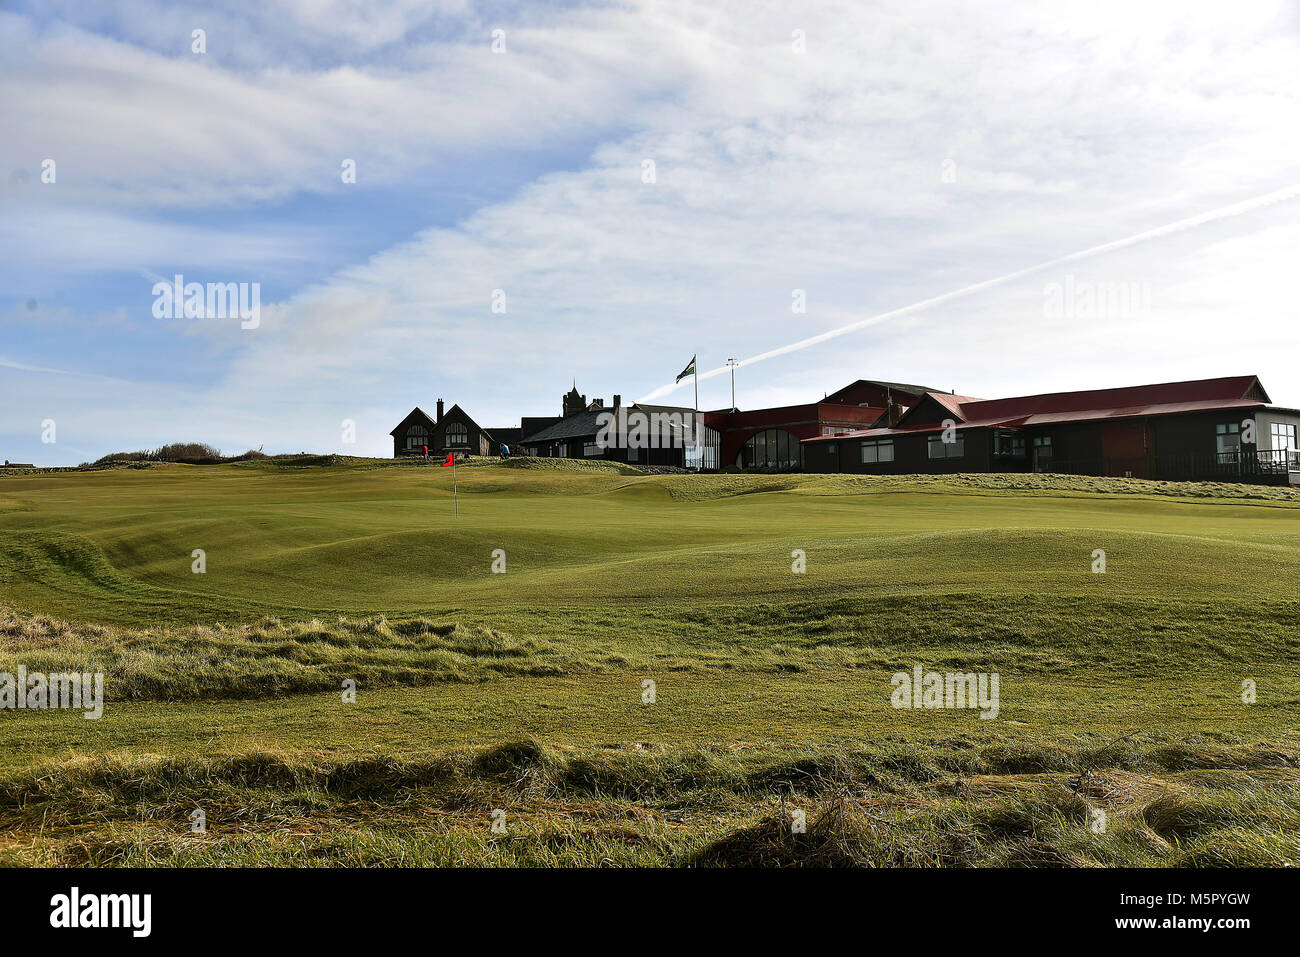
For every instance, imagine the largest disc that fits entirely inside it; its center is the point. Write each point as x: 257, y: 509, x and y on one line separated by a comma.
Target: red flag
x: 447, y: 464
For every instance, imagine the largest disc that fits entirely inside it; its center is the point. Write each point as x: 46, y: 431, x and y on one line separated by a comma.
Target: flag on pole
x: 451, y: 464
x: 689, y: 370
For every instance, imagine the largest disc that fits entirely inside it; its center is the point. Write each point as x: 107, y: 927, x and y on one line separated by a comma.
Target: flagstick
x: 695, y: 426
x: 455, y: 498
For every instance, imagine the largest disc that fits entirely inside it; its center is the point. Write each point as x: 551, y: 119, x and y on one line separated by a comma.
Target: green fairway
x: 363, y: 571
x: 116, y: 546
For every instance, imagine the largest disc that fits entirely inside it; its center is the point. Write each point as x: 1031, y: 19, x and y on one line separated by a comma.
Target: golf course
x: 334, y: 661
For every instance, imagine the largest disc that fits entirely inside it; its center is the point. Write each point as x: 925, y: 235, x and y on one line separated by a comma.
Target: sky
x: 550, y: 193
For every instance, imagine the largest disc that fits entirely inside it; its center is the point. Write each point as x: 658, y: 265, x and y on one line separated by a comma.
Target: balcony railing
x: 1267, y: 467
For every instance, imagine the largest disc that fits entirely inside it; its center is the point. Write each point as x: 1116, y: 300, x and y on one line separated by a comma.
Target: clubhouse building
x: 1206, y: 430
x: 1222, y: 429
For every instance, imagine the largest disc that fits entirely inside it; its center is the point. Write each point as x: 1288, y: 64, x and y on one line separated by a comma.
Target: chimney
x: 618, y: 400
x: 439, y: 418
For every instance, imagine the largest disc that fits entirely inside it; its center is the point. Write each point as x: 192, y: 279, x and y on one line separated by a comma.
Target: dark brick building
x: 453, y: 431
x: 770, y: 438
x: 1207, y: 429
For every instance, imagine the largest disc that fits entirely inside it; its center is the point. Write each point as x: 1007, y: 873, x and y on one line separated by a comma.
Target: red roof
x: 953, y: 403
x: 1212, y: 391
x: 1169, y: 398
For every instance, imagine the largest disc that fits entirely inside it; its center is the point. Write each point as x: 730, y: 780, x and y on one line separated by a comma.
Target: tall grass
x: 674, y: 807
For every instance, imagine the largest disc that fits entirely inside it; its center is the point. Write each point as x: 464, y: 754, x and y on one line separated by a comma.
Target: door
x: 1124, y: 448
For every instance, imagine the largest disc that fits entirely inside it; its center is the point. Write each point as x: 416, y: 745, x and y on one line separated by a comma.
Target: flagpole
x: 455, y: 498
x: 695, y: 426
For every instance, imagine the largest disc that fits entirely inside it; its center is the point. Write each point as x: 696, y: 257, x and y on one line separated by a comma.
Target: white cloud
x: 1065, y: 128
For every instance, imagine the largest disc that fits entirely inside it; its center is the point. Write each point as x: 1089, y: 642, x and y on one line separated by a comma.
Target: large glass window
x: 939, y: 449
x: 417, y: 436
x: 456, y: 435
x: 704, y: 452
x: 877, y: 450
x: 770, y: 449
x: 1283, y: 435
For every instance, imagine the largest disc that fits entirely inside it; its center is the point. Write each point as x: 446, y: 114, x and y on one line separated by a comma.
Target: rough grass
x: 272, y: 657
x: 1025, y: 637
x: 930, y: 807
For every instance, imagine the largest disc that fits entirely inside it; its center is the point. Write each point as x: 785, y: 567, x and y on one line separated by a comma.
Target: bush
x: 195, y: 453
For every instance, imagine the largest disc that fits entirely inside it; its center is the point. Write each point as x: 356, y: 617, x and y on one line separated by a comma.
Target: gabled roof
x: 419, y: 413
x: 467, y: 417
x: 951, y: 403
x: 416, y: 413
x: 1167, y: 398
x: 915, y: 390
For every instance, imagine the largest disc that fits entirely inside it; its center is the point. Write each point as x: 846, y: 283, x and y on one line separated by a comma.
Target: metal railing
x: 1265, y: 466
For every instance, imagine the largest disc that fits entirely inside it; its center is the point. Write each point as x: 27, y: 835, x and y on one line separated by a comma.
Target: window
x: 591, y: 448
x: 1283, y: 435
x: 1042, y: 453
x: 456, y: 435
x: 770, y: 449
x: 1007, y: 444
x: 633, y: 453
x: 704, y: 453
x: 417, y: 436
x: 879, y: 450
x: 1227, y: 441
x: 939, y: 449
x: 834, y: 430
x: 563, y: 451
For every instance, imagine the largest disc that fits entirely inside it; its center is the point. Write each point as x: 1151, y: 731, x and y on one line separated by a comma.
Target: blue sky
x: 869, y: 154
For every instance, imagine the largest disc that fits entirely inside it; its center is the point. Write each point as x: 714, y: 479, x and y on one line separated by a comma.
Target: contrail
x: 1225, y: 212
